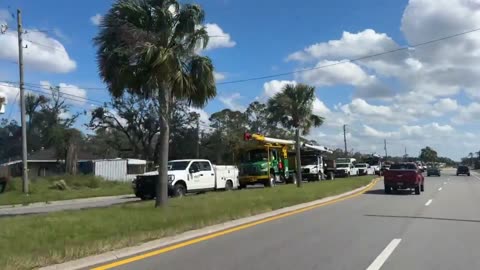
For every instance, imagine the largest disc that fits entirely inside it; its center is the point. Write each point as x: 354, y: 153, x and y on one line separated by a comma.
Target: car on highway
x: 404, y: 176
x: 462, y: 169
x: 433, y: 170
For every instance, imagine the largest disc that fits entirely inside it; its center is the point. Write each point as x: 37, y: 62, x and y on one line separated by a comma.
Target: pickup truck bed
x: 404, y: 176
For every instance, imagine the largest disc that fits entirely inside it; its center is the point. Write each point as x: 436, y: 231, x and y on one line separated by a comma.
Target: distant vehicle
x: 375, y: 162
x: 345, y: 170
x: 188, y: 175
x: 404, y: 176
x: 433, y: 170
x: 364, y: 169
x: 385, y: 167
x: 462, y: 169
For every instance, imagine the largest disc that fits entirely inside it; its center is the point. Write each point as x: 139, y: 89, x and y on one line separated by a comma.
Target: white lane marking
x: 382, y: 258
x: 429, y: 202
x: 439, y: 189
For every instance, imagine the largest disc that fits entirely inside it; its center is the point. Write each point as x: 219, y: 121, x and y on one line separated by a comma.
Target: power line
x: 353, y: 60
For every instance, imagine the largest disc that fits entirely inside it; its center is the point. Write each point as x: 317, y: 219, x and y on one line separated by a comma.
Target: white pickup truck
x: 345, y: 167
x: 188, y: 175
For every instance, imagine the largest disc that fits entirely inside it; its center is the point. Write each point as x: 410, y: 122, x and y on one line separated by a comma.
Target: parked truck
x: 314, y: 167
x: 268, y: 161
x: 345, y: 167
x: 188, y: 176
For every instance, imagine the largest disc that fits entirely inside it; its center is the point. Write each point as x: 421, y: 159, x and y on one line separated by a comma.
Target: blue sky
x: 410, y: 98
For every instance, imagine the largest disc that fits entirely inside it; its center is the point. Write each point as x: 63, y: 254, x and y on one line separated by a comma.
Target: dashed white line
x: 382, y: 258
x: 439, y: 189
x: 428, y: 203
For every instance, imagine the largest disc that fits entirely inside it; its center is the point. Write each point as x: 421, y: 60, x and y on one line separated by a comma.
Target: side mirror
x: 192, y: 170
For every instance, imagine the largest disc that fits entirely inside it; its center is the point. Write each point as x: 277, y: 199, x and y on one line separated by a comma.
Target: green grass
x: 32, y: 241
x: 80, y: 186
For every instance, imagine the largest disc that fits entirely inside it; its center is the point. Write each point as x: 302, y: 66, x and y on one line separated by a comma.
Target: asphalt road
x: 439, y: 229
x: 77, y: 204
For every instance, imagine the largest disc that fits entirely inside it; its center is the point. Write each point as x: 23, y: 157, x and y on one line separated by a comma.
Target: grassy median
x: 51, y: 189
x: 31, y: 241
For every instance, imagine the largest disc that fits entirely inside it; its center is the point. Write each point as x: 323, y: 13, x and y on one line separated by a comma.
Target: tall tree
x: 293, y: 109
x: 427, y: 154
x: 150, y: 48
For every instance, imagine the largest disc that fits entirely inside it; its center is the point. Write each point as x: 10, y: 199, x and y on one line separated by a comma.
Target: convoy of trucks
x: 265, y: 161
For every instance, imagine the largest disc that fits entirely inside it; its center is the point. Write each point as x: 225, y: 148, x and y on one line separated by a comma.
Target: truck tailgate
x: 400, y: 176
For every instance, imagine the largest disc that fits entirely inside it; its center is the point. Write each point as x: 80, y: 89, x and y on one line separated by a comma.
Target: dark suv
x: 463, y: 170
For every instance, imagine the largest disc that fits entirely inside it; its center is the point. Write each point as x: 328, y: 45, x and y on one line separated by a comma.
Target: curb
x: 167, y: 241
x: 61, y: 202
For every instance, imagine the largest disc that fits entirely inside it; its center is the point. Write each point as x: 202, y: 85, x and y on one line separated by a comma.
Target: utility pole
x: 345, y: 138
x: 385, y: 147
x: 198, y: 138
x: 22, y: 103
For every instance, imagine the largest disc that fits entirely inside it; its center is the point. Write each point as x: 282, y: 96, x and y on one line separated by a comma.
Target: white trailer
x: 124, y: 170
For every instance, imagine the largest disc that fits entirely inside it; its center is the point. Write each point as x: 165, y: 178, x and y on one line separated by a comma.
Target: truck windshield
x: 309, y: 160
x: 361, y: 166
x: 255, y: 155
x: 177, y: 165
x: 343, y: 165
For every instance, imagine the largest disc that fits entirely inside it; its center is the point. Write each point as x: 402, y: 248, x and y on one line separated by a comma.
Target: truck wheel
x: 228, y: 185
x: 422, y: 188
x: 145, y: 197
x: 388, y: 190
x: 270, y: 182
x: 179, y: 190
x: 417, y: 190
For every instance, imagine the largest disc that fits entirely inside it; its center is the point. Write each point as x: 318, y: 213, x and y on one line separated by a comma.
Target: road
x: 439, y: 229
x: 77, y: 204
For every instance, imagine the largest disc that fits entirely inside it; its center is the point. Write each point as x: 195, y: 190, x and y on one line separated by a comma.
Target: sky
x: 411, y: 98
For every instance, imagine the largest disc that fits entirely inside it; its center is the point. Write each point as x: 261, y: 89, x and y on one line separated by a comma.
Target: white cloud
x: 273, y: 87
x: 42, y: 52
x: 96, y: 19
x: 329, y: 73
x: 218, y: 38
x: 72, y: 93
x: 204, y: 117
x: 231, y: 102
x: 468, y: 114
x: 446, y: 105
x: 350, y: 45
x: 319, y: 108
x: 8, y: 91
x: 361, y: 107
x: 219, y: 76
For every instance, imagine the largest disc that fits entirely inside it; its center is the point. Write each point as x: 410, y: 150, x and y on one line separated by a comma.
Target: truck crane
x: 266, y: 162
x: 314, y: 166
x: 271, y: 161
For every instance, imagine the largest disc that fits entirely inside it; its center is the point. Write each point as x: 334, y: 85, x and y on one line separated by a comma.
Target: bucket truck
x: 314, y: 166
x: 267, y: 162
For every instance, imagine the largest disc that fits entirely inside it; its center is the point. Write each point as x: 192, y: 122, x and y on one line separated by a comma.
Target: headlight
x: 264, y: 166
x: 171, y: 178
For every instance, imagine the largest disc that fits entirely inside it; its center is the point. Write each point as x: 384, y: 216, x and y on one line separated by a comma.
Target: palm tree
x: 150, y: 48
x: 292, y: 108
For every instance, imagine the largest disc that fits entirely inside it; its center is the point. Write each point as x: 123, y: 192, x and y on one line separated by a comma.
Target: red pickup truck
x: 404, y: 176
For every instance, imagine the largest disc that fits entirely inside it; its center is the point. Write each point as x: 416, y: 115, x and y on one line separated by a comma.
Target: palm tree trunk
x: 298, y: 168
x: 161, y: 191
